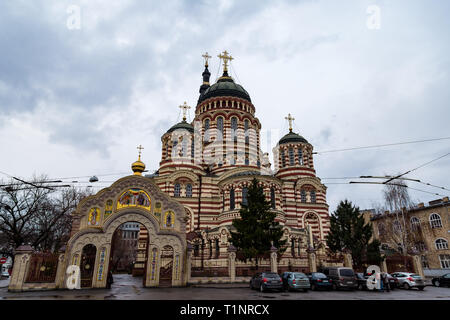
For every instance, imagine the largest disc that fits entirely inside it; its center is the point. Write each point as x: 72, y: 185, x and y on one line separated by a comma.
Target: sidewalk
x: 220, y: 285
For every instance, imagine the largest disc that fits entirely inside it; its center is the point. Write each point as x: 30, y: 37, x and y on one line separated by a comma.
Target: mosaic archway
x: 131, y: 199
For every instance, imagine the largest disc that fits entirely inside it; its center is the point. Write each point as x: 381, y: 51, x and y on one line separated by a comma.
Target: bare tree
x: 35, y: 214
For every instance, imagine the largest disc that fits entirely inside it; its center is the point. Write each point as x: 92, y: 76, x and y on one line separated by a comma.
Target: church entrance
x: 87, y: 264
x: 166, y: 269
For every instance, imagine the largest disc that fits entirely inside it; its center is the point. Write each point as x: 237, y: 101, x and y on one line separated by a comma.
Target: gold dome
x: 138, y: 167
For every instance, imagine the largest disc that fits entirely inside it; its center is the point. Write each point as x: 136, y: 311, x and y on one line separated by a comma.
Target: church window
x: 176, y: 191
x: 300, y: 156
x: 217, y: 248
x: 247, y: 138
x: 291, y: 157
x: 234, y: 128
x: 189, y: 190
x: 174, y: 149
x: 196, y: 250
x: 247, y: 161
x: 293, y: 247
x: 220, y: 128
x: 435, y: 221
x: 415, y: 223
x: 272, y: 197
x: 192, y: 149
x: 206, y: 135
x: 183, y: 148
x: 210, y: 248
x: 313, y: 196
x: 232, y: 204
x: 283, y: 159
x: 441, y: 244
x: 303, y: 196
x: 299, y: 247
x: 244, y: 196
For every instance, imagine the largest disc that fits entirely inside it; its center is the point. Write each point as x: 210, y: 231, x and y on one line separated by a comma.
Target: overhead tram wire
x: 381, y: 145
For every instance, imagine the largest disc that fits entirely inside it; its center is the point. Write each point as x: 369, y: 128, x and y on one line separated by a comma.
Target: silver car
x: 407, y: 280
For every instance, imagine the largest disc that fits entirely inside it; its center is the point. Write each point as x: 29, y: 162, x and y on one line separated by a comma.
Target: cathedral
x: 207, y: 165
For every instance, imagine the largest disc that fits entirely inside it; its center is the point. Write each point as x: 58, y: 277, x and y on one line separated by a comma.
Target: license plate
x: 325, y: 280
x: 274, y: 282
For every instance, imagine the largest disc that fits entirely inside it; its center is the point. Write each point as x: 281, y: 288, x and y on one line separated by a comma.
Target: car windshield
x: 415, y: 276
x: 319, y: 275
x: 346, y: 273
x: 299, y: 275
x: 271, y: 275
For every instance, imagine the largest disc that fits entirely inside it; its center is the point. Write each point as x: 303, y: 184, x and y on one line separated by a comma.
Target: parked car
x: 362, y: 281
x: 441, y: 281
x: 266, y: 281
x: 341, y: 277
x: 319, y: 281
x: 295, y: 281
x: 407, y: 280
x: 393, y: 282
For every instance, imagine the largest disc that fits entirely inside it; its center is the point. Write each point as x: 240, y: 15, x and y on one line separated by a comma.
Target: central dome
x: 225, y: 86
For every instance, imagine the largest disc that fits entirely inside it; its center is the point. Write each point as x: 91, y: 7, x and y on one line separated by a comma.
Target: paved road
x: 126, y: 287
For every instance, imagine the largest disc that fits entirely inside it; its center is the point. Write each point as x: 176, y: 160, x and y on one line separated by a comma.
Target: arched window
x: 217, y: 248
x: 176, y: 191
x: 189, y: 190
x: 441, y: 244
x: 247, y: 161
x: 244, y: 195
x: 272, y: 197
x: 313, y: 196
x: 445, y: 261
x: 174, y: 149
x: 247, y: 139
x: 293, y: 247
x: 183, y: 148
x: 206, y: 135
x: 234, y: 128
x: 435, y: 221
x: 192, y: 149
x: 210, y: 248
x: 415, y: 223
x: 291, y: 157
x: 283, y: 158
x: 220, y: 128
x: 396, y: 226
x: 303, y: 196
x: 232, y: 204
x: 299, y: 247
x: 300, y: 156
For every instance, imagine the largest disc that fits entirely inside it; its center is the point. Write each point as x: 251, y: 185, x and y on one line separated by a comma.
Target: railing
x: 43, y: 267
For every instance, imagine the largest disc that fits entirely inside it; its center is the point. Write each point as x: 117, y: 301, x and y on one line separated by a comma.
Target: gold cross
x: 206, y: 56
x: 185, y: 107
x: 290, y: 119
x: 140, y: 150
x: 225, y: 57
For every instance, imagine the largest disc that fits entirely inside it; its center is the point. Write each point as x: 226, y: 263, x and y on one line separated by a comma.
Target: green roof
x: 225, y: 87
x: 182, y: 125
x: 292, y: 137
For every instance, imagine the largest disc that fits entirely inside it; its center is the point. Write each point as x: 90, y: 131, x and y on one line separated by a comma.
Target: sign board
x: 2, y: 260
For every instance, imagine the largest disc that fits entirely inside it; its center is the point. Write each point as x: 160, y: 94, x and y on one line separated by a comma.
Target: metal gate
x: 165, y: 271
x: 87, y: 265
x: 42, y: 268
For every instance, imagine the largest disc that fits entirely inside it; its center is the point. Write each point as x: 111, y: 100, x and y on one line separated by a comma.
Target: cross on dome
x: 290, y: 119
x: 185, y: 108
x: 140, y: 147
x: 206, y: 56
x: 225, y: 57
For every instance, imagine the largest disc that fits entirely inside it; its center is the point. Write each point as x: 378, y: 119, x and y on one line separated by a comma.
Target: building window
x: 445, y: 261
x: 300, y: 156
x: 291, y: 157
x: 313, y: 196
x: 293, y: 247
x: 183, y: 148
x: 247, y: 161
x: 174, y: 149
x: 206, y: 136
x: 192, y: 149
x: 420, y: 246
x: 232, y: 205
x: 234, y: 128
x: 415, y: 223
x: 217, y: 248
x: 189, y: 190
x: 272, y: 198
x: 299, y: 247
x: 247, y: 139
x: 244, y: 196
x: 210, y: 247
x: 303, y: 196
x: 441, y: 244
x: 196, y: 249
x: 435, y: 221
x: 176, y: 191
x: 220, y: 128
x: 283, y: 160
x: 396, y: 226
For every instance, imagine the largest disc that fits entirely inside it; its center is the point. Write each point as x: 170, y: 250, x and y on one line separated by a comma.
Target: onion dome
x: 182, y: 125
x: 138, y: 166
x: 292, y: 137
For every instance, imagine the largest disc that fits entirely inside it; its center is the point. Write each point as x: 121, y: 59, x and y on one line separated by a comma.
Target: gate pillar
x: 273, y: 259
x: 232, y: 263
x: 19, y: 272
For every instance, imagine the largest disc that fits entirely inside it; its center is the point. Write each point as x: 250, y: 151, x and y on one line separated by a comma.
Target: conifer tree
x: 349, y: 231
x: 256, y: 230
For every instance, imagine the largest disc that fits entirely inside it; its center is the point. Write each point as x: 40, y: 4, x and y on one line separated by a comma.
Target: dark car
x: 441, y: 281
x: 266, y: 281
x: 319, y: 281
x: 362, y: 281
x: 341, y: 277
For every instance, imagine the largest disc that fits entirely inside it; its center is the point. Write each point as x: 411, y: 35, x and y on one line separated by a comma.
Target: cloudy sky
x: 78, y: 95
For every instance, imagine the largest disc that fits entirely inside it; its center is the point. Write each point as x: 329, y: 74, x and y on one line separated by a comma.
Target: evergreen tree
x: 256, y: 229
x: 348, y: 231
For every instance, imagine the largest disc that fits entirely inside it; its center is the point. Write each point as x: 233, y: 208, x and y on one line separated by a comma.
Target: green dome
x: 182, y: 125
x: 224, y: 87
x: 292, y: 137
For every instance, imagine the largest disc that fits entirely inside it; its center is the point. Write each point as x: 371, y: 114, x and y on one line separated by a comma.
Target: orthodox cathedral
x: 207, y: 165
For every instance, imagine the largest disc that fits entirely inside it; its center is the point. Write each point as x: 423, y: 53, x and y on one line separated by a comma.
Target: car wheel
x: 421, y: 288
x: 313, y: 287
x: 261, y: 288
x: 360, y: 286
x: 305, y: 290
x: 436, y: 283
x: 335, y: 286
x: 406, y: 286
